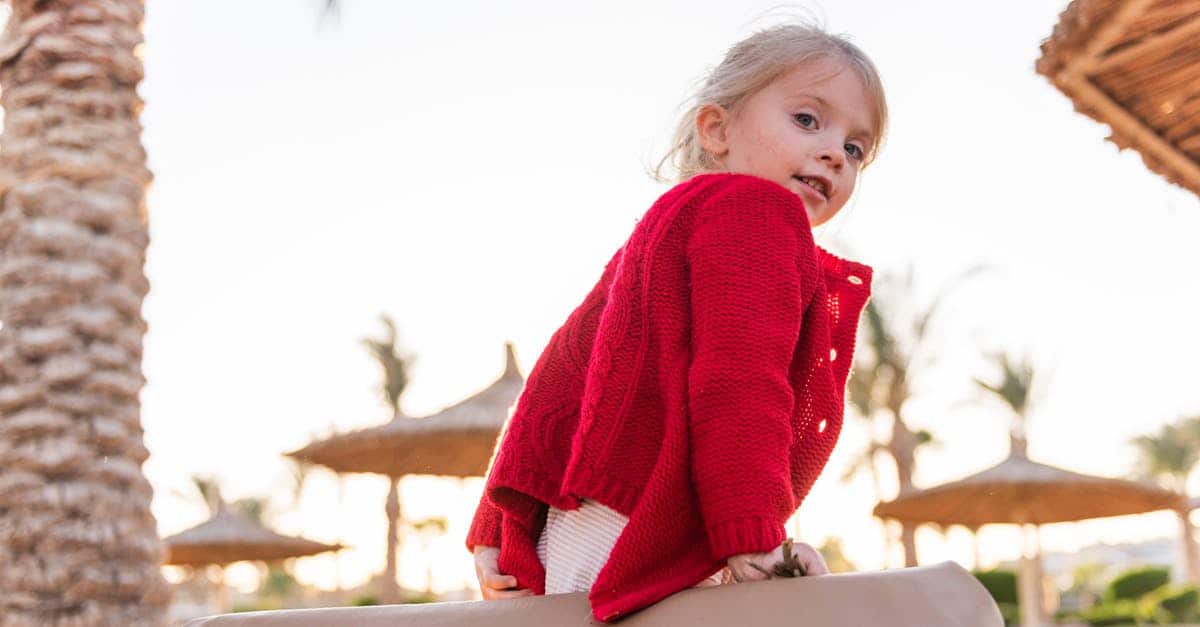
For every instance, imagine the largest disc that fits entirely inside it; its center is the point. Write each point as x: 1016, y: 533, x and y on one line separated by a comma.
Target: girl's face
x: 808, y: 130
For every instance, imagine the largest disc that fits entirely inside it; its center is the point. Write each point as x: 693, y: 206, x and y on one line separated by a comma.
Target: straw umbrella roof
x: 1135, y: 66
x: 1024, y: 492
x: 230, y: 537
x: 1021, y: 491
x: 457, y: 441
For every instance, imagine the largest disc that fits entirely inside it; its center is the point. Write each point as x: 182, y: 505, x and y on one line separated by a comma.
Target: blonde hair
x: 750, y: 65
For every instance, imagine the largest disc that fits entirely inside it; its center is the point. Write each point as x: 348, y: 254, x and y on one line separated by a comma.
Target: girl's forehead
x: 820, y: 76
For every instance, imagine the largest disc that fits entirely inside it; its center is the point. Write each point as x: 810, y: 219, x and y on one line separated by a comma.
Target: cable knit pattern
x: 697, y: 390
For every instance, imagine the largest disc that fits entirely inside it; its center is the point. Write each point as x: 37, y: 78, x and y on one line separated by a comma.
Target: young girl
x: 681, y: 414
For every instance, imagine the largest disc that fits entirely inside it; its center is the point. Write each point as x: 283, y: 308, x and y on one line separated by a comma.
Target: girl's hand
x: 492, y: 583
x: 743, y: 566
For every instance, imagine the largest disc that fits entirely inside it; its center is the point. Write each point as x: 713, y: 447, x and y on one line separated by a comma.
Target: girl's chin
x: 818, y: 217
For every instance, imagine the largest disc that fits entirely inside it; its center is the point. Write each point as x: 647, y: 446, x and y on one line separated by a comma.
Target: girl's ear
x: 712, y: 129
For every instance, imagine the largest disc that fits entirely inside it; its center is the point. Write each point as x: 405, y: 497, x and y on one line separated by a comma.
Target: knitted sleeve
x: 485, y: 526
x: 749, y: 288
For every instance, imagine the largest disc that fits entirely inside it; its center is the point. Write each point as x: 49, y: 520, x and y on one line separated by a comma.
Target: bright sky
x: 468, y: 167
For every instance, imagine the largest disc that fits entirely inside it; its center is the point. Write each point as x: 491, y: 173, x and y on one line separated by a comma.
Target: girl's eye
x: 854, y: 151
x: 806, y: 119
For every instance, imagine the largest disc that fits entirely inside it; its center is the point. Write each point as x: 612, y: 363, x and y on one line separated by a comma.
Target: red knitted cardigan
x: 698, y: 390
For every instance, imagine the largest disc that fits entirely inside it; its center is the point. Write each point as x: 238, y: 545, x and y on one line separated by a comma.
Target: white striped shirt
x: 575, y: 545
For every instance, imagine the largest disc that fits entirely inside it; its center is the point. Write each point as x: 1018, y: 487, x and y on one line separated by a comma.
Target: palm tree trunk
x: 887, y: 542
x: 976, y: 557
x: 902, y: 447
x: 908, y: 539
x: 876, y: 482
x: 78, y: 544
x: 390, y: 592
x: 1187, y: 540
x: 341, y: 539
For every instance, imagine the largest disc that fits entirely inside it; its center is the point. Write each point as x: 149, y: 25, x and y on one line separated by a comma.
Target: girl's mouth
x: 817, y: 184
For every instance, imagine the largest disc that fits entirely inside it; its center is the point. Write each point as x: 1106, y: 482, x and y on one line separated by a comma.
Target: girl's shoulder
x: 725, y: 193
x: 735, y: 188
x: 741, y: 202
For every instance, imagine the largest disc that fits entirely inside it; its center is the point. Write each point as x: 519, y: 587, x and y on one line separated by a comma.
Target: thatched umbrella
x: 455, y: 442
x: 1135, y: 66
x: 1024, y: 492
x: 231, y: 537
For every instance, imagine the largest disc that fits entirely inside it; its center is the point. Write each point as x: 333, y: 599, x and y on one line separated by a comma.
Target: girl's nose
x: 833, y: 156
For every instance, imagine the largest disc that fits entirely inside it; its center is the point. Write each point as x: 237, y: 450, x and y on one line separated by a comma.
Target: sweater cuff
x: 485, y: 527
x: 744, y: 535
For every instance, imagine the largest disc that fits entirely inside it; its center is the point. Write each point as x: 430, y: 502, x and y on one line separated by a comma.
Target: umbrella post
x: 1028, y: 579
x: 337, y: 557
x: 976, y: 560
x: 222, y: 591
x: 390, y: 592
x: 1187, y: 538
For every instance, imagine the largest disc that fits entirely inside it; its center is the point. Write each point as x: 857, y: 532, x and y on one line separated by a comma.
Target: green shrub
x: 1001, y: 584
x: 1124, y: 612
x: 366, y: 599
x: 1180, y: 603
x: 1010, y: 613
x: 278, y: 583
x: 1136, y: 583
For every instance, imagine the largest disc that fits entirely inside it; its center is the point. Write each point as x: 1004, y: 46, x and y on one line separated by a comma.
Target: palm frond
x: 298, y: 471
x: 210, y: 491
x: 252, y: 507
x: 1189, y: 427
x: 1168, y: 456
x: 395, y: 365
x: 331, y: 10
x: 1016, y: 382
x: 433, y: 524
x: 860, y: 387
x: 879, y: 336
